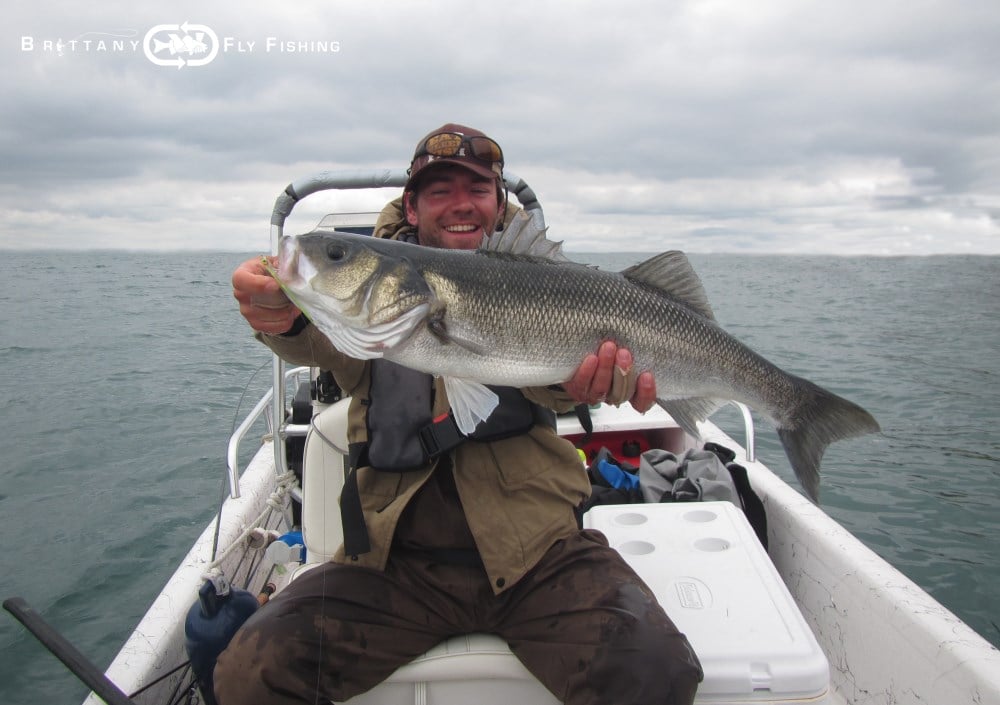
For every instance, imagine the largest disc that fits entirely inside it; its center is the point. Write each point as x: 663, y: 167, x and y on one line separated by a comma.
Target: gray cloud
x: 711, y: 126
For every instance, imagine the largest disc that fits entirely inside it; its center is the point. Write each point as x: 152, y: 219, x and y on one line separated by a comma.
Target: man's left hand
x: 609, y: 376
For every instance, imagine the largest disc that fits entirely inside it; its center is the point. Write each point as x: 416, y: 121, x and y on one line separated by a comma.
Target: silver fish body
x: 496, y: 317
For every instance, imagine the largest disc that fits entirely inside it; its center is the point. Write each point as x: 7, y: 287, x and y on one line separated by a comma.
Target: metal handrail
x: 346, y: 180
x: 233, y: 450
x: 748, y: 430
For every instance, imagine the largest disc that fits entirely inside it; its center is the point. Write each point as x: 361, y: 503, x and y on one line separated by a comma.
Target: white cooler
x: 714, y: 579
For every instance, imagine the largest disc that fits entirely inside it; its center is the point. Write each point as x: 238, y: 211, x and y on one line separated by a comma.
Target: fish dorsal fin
x: 670, y: 273
x: 525, y: 235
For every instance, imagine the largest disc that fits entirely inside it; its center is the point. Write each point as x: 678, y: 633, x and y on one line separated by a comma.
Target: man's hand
x: 262, y: 302
x: 608, y: 376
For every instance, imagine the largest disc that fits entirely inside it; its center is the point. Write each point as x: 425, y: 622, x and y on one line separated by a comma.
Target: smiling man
x: 453, y: 201
x: 467, y: 534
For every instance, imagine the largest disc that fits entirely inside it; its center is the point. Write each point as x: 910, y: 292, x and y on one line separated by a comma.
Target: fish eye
x: 335, y: 252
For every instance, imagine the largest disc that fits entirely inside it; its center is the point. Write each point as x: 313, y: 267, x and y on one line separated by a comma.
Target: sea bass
x: 517, y: 312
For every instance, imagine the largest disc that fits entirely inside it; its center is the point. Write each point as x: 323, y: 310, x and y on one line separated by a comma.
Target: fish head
x: 365, y: 298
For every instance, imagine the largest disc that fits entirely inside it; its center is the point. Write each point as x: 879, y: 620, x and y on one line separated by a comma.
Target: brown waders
x: 581, y: 620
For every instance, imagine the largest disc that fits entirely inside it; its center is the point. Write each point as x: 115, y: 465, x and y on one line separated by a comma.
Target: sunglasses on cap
x: 456, y: 145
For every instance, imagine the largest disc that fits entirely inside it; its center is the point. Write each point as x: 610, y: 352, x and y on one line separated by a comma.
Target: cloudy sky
x: 856, y: 127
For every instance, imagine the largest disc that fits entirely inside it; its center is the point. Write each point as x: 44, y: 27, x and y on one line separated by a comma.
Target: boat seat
x: 453, y: 671
x: 324, y: 469
x: 475, y: 668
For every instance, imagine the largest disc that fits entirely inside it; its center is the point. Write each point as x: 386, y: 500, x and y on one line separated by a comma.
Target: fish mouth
x: 294, y: 268
x: 288, y: 259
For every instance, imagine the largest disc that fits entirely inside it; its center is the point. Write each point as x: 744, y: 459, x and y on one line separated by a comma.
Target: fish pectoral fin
x: 439, y: 329
x: 471, y: 402
x: 472, y: 347
x: 689, y: 412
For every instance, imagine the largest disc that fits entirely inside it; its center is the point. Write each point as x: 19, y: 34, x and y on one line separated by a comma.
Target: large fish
x: 517, y: 313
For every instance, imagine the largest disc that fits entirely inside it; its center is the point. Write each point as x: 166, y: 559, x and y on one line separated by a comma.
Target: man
x: 479, y: 536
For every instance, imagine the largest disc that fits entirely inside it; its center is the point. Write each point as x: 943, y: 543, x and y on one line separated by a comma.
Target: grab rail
x: 345, y: 180
x: 748, y: 440
x: 233, y: 450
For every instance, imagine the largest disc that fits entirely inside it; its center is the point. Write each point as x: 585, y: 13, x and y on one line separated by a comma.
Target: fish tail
x: 818, y: 420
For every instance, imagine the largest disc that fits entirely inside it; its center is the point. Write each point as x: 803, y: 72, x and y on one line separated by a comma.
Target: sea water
x: 122, y: 374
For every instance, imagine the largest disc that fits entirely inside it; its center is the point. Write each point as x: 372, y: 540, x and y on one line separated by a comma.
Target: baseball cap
x: 457, y: 144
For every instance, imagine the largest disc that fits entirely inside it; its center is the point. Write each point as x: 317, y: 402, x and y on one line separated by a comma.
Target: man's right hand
x: 262, y: 302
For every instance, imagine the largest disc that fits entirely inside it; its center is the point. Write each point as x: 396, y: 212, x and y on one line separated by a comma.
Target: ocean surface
x: 121, y: 375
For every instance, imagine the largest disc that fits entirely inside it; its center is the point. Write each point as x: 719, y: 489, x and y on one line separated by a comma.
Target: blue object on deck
x: 211, y: 623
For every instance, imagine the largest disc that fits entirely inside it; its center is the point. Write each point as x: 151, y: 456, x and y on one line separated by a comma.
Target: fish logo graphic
x: 181, y: 45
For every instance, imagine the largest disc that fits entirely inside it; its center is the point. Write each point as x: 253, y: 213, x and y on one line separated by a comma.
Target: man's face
x: 453, y: 207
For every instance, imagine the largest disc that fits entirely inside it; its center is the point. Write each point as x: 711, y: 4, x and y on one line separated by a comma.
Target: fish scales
x: 535, y: 322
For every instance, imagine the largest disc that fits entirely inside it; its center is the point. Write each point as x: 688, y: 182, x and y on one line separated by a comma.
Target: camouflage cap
x: 456, y: 144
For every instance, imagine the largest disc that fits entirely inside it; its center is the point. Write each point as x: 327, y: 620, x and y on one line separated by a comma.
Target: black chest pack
x: 404, y: 435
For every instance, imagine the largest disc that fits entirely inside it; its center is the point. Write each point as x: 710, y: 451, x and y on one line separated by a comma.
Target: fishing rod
x: 62, y: 649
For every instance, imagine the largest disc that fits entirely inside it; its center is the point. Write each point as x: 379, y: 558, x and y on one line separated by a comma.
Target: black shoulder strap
x: 352, y: 517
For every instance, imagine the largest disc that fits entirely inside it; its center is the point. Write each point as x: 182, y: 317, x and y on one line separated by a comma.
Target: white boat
x: 817, y: 618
